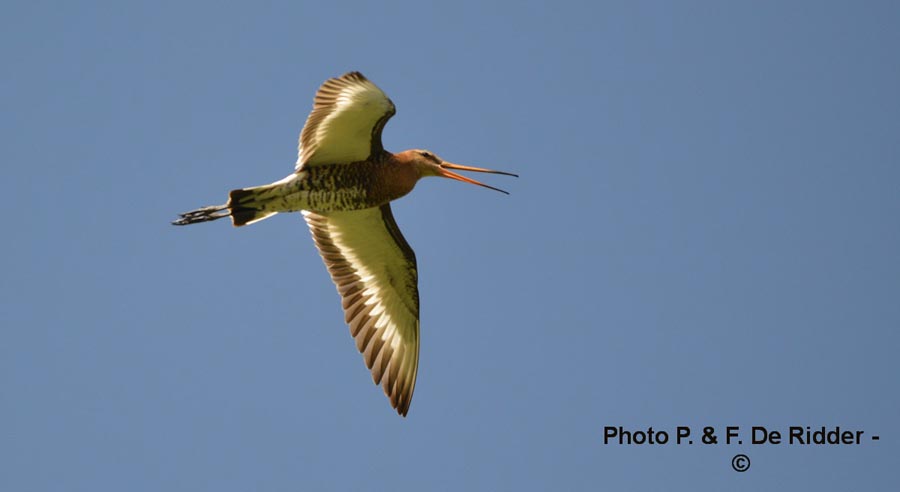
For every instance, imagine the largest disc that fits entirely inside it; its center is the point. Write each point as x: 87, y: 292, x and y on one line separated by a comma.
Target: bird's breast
x: 343, y: 187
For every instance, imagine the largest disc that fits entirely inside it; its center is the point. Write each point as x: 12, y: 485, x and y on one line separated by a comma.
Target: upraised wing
x: 374, y: 270
x: 345, y: 124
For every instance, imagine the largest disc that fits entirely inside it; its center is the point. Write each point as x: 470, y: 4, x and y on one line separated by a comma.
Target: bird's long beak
x: 445, y: 172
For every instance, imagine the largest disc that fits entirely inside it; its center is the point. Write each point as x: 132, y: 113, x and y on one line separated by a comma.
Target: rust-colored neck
x: 401, y: 173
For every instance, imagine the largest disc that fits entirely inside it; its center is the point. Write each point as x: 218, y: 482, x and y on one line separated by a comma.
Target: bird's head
x: 429, y: 164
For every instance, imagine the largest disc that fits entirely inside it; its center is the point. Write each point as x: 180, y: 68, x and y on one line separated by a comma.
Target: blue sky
x: 705, y: 233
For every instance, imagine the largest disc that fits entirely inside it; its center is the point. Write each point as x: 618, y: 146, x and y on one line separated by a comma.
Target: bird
x: 342, y: 184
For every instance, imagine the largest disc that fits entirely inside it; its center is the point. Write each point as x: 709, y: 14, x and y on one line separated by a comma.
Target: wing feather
x: 374, y: 270
x: 348, y: 115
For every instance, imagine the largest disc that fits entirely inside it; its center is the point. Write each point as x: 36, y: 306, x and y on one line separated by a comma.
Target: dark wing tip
x: 354, y: 75
x: 401, y: 404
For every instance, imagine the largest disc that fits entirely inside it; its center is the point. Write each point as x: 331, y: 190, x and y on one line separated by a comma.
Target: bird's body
x: 343, y: 183
x: 339, y: 187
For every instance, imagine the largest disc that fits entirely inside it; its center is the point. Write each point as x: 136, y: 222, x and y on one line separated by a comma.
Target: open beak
x: 445, y: 172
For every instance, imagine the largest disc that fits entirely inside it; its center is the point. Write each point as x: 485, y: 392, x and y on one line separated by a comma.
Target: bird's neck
x: 401, y: 174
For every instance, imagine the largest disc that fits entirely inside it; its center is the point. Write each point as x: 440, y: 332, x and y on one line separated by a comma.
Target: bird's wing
x: 345, y: 124
x: 374, y: 270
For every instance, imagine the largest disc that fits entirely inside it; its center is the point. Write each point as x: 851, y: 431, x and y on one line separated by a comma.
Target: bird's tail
x: 245, y: 206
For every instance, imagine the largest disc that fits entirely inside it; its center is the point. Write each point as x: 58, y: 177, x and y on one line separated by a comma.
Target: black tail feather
x: 241, y: 212
x: 245, y: 206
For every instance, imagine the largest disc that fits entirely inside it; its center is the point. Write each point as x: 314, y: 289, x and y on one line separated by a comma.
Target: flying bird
x: 343, y: 183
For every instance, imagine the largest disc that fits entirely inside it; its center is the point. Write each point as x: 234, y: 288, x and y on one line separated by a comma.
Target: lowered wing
x: 374, y: 270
